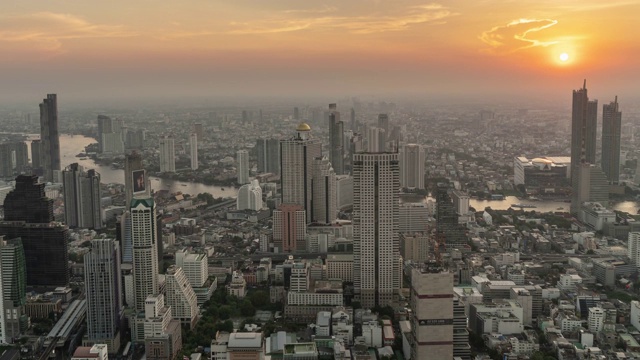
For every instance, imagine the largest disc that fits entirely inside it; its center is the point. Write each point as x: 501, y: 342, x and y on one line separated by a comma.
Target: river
x: 71, y: 145
x: 630, y: 207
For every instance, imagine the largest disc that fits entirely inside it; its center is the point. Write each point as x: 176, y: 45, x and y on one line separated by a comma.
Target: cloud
x: 516, y: 35
x: 48, y: 30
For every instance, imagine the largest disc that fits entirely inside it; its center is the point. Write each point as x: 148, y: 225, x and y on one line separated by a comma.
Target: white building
x: 340, y: 266
x: 193, y: 146
x: 238, y: 285
x: 250, y: 196
x: 97, y: 351
x: 242, y: 166
x: 412, y: 158
x: 325, y: 208
x: 180, y: 296
x: 167, y: 154
x: 633, y: 247
x: 568, y: 282
x: 635, y: 314
x: 596, y: 319
x: 145, y: 250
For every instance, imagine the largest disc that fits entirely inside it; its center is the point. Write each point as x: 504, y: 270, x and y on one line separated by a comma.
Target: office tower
x: 198, y: 129
x: 376, y: 140
x: 447, y: 226
x: 181, y: 297
x: 104, y: 127
x: 160, y: 247
x: 49, y: 137
x: 432, y: 315
x: 28, y: 214
x: 583, y: 141
x: 81, y: 197
x: 250, y: 196
x: 103, y: 285
x: 325, y: 208
x: 126, y: 243
x: 296, y: 167
x: 412, y: 166
x: 383, y: 123
x: 162, y: 334
x: 245, y: 116
x: 13, y: 283
x: 611, y: 129
x: 296, y: 113
x: 289, y: 228
x: 133, y: 170
x: 633, y: 248
x: 134, y: 139
x: 36, y: 164
x: 13, y: 158
x: 376, y: 251
x: 196, y: 269
x: 460, y: 202
x: 592, y: 186
x: 144, y: 237
x: 352, y: 120
x: 461, y: 347
x: 336, y: 140
x: 242, y: 159
x: 193, y: 146
x: 167, y: 154
x: 111, y: 135
x: 268, y: 154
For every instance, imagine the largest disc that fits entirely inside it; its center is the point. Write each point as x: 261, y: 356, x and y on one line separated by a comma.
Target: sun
x: 564, y: 57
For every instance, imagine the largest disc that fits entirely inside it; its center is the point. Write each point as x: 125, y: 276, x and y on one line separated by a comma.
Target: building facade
x: 611, y: 130
x: 144, y: 237
x: 82, y: 207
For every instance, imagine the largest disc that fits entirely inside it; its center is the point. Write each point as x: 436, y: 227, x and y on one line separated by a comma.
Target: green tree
x: 224, y: 312
x: 247, y: 309
x: 259, y: 299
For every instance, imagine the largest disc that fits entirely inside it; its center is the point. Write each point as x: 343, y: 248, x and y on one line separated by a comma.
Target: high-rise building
x: 296, y: 113
x: 13, y: 158
x: 28, y: 214
x: 412, y: 159
x: 36, y: 157
x: 461, y: 347
x: 376, y: 140
x: 583, y: 141
x: 352, y: 120
x: 167, y: 154
x: 111, y: 135
x: 336, y: 140
x: 242, y: 159
x: 268, y: 154
x: 144, y: 236
x: 103, y: 292
x: 460, y: 202
x: 325, y: 208
x: 592, y: 186
x: 633, y: 248
x: 249, y: 196
x: 81, y: 197
x: 447, y: 220
x: 376, y: 251
x: 49, y: 137
x: 193, y: 146
x: 162, y: 333
x: 383, y: 123
x: 296, y: 167
x: 432, y: 315
x: 13, y: 284
x: 199, y: 131
x: 289, y: 228
x: 611, y: 129
x: 181, y: 297
x: 133, y: 170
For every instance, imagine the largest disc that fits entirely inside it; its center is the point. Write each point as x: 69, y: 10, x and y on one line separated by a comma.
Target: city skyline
x: 285, y: 48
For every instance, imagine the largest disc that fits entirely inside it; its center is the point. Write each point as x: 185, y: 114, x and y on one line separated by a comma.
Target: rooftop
x: 245, y: 340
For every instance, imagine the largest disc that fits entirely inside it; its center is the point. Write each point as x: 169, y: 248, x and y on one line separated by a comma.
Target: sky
x: 86, y: 50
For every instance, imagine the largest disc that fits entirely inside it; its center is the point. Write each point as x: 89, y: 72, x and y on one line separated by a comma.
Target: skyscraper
x: 111, y: 135
x: 611, y: 129
x: 36, y: 157
x: 383, y: 123
x: 28, y: 214
x: 144, y: 236
x: 199, y: 131
x: 49, y: 137
x: 296, y: 167
x: 133, y: 167
x: 167, y: 154
x: 13, y: 280
x: 376, y: 250
x: 249, y: 196
x: 103, y: 292
x: 352, y: 120
x: 242, y: 159
x: 268, y: 154
x: 193, y: 146
x: 336, y: 140
x: 181, y: 297
x: 447, y: 225
x: 583, y: 140
x: 412, y: 166
x: 13, y: 158
x: 81, y: 197
x: 325, y: 207
x: 376, y: 140
x: 289, y: 228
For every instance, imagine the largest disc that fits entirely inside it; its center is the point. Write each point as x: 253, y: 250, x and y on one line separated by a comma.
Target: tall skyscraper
x: 242, y: 159
x: 447, y: 225
x: 28, y: 214
x: 383, y: 123
x: 611, y: 129
x: 376, y: 140
x: 583, y: 140
x: 336, y: 140
x: 14, y: 158
x: 268, y: 154
x: 296, y: 167
x: 133, y: 169
x: 49, y: 137
x: 81, y: 197
x: 13, y: 284
x: 325, y: 207
x: 289, y: 228
x: 36, y: 157
x: 167, y: 154
x: 412, y: 159
x: 376, y: 250
x: 352, y: 120
x: 111, y: 135
x: 193, y: 146
x: 432, y: 315
x: 296, y: 113
x: 104, y: 293
x: 144, y: 236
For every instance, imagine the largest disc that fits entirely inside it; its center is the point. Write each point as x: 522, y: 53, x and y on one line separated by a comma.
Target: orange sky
x: 286, y: 47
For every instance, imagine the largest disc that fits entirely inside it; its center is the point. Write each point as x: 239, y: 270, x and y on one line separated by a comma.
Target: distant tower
x: 296, y: 113
x: 412, y: 166
x: 82, y: 197
x: 144, y: 235
x: 325, y: 207
x: 376, y: 250
x: 336, y: 140
x: 13, y: 280
x: 447, y: 220
x: 611, y: 129
x: 296, y: 167
x: 199, y: 131
x: 583, y: 142
x: 383, y: 123
x: 36, y: 157
x: 268, y: 154
x: 49, y: 137
x: 376, y: 140
x: 352, y: 120
x: 167, y: 154
x: 242, y: 158
x: 111, y: 135
x: 193, y: 145
x: 103, y: 292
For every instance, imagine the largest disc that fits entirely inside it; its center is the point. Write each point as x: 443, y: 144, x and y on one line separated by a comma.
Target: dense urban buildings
x: 611, y: 131
x: 49, y: 137
x: 82, y: 207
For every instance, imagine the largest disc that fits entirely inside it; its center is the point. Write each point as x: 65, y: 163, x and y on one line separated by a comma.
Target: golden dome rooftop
x: 303, y: 127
